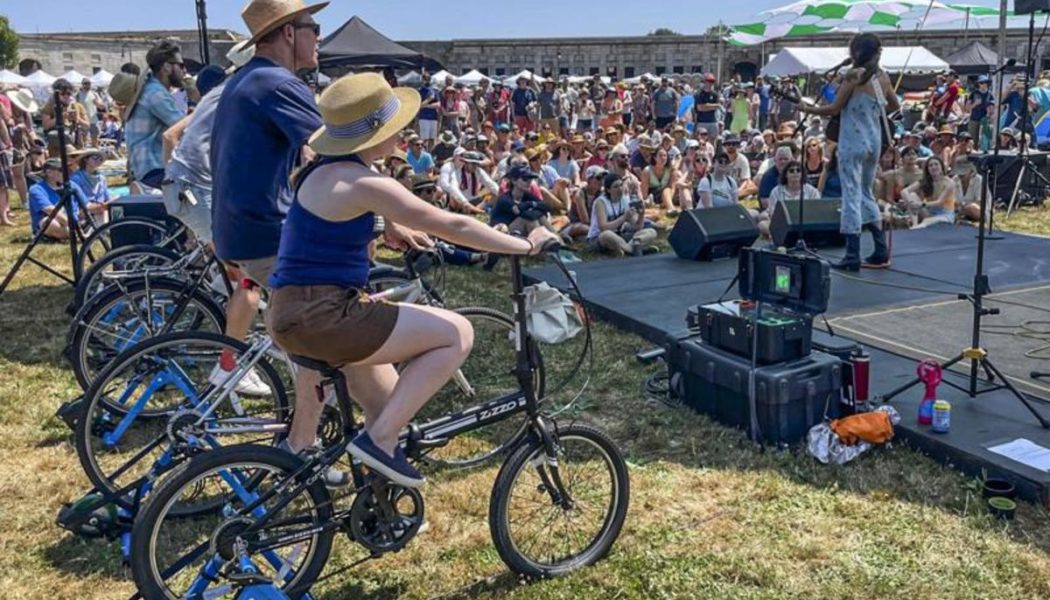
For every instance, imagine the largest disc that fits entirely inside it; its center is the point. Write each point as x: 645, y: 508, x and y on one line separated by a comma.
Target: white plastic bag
x: 551, y: 315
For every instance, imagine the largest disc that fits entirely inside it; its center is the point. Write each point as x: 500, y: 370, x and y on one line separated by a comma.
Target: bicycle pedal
x: 69, y: 412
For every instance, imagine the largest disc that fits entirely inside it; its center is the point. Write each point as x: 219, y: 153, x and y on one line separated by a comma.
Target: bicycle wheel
x: 174, y: 557
x: 486, y: 375
x: 123, y: 315
x: 129, y: 230
x: 127, y: 258
x: 539, y: 535
x: 139, y: 414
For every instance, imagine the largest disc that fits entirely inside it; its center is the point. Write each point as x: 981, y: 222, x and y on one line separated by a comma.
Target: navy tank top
x: 315, y: 251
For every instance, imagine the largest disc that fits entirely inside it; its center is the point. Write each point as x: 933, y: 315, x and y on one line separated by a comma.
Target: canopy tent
x: 410, y: 78
x: 357, y: 44
x: 974, y: 59
x: 10, y: 77
x: 527, y: 74
x: 638, y: 79
x: 584, y: 78
x: 809, y: 17
x: 895, y: 59
x: 72, y: 76
x: 438, y: 79
x: 102, y: 78
x: 39, y: 83
x: 472, y: 77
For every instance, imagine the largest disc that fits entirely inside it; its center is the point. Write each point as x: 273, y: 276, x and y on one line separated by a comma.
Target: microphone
x: 1007, y: 65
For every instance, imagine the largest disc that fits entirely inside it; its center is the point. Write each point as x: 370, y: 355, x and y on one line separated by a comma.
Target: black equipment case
x: 150, y: 207
x: 730, y: 326
x: 790, y: 397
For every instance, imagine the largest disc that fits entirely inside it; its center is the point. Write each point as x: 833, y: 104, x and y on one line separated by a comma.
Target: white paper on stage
x: 1025, y: 452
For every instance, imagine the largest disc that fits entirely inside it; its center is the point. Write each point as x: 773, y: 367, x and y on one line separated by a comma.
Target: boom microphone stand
x: 65, y: 203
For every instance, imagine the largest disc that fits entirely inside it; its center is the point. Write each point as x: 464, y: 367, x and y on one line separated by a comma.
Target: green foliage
x: 8, y: 44
x: 663, y: 31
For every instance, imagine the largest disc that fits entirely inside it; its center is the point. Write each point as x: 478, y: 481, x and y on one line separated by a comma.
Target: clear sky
x: 408, y: 19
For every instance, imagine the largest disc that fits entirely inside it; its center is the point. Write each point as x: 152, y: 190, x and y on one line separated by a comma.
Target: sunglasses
x: 790, y: 171
x: 314, y: 27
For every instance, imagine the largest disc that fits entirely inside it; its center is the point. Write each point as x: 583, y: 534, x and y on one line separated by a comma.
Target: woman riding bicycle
x: 318, y: 308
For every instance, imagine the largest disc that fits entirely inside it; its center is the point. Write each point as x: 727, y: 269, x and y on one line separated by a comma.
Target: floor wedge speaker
x: 707, y: 233
x: 820, y: 227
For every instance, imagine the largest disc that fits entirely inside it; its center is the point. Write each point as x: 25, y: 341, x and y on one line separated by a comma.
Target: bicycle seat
x: 315, y: 364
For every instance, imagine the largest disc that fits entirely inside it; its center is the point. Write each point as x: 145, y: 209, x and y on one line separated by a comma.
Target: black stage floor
x: 649, y: 296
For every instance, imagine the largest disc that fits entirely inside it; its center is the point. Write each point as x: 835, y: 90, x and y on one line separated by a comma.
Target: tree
x: 663, y: 31
x: 8, y: 44
x: 719, y: 30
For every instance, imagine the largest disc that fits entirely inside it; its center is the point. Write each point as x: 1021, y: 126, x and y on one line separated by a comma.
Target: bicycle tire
x: 91, y: 281
x: 96, y: 400
x: 97, y: 244
x: 87, y: 321
x: 501, y: 435
x: 525, y: 457
x: 144, y: 565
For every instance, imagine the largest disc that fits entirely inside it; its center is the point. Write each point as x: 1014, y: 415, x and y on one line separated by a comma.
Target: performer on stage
x: 865, y: 94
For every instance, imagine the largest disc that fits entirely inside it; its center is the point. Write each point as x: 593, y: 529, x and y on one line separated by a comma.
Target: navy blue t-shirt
x: 770, y: 179
x: 427, y: 114
x: 264, y: 117
x: 503, y: 212
x: 521, y: 99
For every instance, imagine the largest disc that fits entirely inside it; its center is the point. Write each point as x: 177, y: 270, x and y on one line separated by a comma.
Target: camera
x: 637, y: 205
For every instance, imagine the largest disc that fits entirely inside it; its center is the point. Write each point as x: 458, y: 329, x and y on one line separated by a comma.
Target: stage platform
x: 900, y: 314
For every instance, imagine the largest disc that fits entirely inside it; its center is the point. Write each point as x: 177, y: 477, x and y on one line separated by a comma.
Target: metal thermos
x: 860, y: 363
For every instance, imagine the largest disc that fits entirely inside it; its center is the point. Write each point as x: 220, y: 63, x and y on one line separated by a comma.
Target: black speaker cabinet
x: 707, y: 233
x: 821, y: 225
x: 1027, y: 7
x: 1010, y: 169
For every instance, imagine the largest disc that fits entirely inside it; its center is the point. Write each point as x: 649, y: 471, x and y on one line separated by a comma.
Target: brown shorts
x: 329, y: 323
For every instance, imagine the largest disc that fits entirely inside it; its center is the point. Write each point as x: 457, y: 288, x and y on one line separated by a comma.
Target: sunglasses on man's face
x: 314, y: 27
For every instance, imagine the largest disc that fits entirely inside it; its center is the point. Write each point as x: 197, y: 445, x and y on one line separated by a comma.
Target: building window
x: 612, y: 72
x: 595, y: 71
x: 661, y: 70
x: 628, y: 72
x: 484, y: 71
x: 679, y: 70
x: 501, y: 71
x: 698, y: 69
x: 67, y: 68
x: 563, y: 71
x: 96, y: 58
x: 67, y: 57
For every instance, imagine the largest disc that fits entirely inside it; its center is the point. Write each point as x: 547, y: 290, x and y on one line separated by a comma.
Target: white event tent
x: 72, y: 76
x: 895, y: 59
x: 473, y: 77
x: 102, y: 78
x: 39, y: 83
x: 527, y: 74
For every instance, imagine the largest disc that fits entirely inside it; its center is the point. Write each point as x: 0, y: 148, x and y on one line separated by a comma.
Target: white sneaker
x: 249, y: 385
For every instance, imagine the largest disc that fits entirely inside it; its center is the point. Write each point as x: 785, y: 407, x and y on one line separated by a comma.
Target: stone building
x: 620, y: 57
x: 88, y: 52
x: 632, y: 56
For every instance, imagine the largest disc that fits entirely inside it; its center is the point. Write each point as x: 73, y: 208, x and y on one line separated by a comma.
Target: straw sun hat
x: 263, y: 16
x: 24, y: 100
x: 360, y: 111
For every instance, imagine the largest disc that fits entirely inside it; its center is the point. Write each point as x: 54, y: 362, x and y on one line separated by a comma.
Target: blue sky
x: 404, y: 19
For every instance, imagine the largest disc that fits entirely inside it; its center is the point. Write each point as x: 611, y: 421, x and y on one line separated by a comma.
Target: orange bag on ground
x: 874, y: 427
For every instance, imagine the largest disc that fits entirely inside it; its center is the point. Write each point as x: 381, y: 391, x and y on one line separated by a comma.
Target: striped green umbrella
x: 820, y: 16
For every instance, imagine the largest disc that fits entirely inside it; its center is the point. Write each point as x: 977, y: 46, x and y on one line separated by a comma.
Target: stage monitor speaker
x: 821, y: 226
x: 707, y: 233
x: 1027, y: 7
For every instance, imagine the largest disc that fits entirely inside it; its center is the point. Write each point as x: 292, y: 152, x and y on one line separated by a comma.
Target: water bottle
x: 942, y: 417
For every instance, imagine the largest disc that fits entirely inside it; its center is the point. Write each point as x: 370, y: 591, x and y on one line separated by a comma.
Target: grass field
x: 711, y: 515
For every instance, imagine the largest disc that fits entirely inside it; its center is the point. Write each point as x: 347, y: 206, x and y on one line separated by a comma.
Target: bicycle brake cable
x: 586, y: 353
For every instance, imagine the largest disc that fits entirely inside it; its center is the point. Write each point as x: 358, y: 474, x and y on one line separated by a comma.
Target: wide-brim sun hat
x: 240, y: 54
x: 24, y: 100
x: 360, y: 111
x: 263, y: 16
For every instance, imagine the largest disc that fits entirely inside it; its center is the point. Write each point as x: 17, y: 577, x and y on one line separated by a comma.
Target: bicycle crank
x: 385, y: 517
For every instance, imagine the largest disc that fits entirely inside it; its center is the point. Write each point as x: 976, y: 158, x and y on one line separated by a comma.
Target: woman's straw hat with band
x: 361, y: 111
x: 263, y: 16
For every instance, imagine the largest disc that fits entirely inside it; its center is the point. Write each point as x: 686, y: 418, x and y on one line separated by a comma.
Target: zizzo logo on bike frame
x: 499, y: 410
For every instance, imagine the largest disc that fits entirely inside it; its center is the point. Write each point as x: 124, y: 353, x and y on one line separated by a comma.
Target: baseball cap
x: 422, y: 182
x: 521, y: 172
x: 473, y: 157
x: 52, y: 163
x: 503, y: 127
x: 619, y: 150
x: 732, y: 138
x: 710, y: 78
x: 692, y: 144
x: 595, y: 171
x: 459, y: 152
x: 517, y: 145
